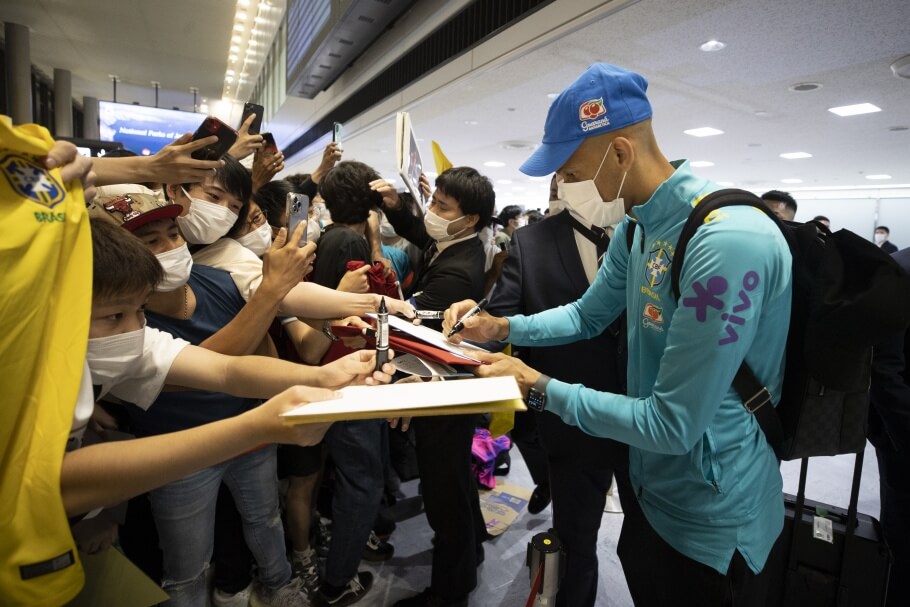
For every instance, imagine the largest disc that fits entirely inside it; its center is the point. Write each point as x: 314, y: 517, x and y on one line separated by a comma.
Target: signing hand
x: 480, y: 328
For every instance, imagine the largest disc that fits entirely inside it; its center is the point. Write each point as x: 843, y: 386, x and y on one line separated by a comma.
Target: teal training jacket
x: 706, y: 478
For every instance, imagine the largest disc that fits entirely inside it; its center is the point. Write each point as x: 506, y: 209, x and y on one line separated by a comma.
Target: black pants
x: 526, y: 437
x: 581, y: 470
x: 894, y: 479
x: 451, y: 501
x: 660, y: 576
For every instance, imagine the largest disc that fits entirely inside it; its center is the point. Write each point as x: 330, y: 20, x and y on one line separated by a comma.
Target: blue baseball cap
x: 604, y: 98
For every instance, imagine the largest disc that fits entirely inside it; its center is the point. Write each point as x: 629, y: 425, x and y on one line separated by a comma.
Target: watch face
x: 536, y: 400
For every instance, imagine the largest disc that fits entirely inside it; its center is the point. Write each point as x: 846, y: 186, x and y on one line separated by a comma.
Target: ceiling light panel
x: 704, y: 131
x: 255, y: 25
x: 795, y: 155
x: 855, y: 110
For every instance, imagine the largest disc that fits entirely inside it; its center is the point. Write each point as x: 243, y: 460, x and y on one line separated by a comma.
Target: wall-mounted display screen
x: 144, y: 130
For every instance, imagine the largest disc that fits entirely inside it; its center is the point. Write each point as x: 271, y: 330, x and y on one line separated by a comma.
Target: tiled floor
x: 503, y: 575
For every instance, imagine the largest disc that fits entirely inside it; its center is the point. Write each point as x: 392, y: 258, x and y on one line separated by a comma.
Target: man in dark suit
x: 452, y: 267
x: 548, y: 267
x: 889, y: 432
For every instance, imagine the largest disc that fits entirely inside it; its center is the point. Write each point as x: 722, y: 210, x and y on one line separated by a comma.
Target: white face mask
x: 177, y: 265
x: 110, y: 359
x: 438, y: 228
x: 259, y: 240
x: 880, y: 238
x: 584, y: 198
x: 205, y: 222
x: 386, y: 229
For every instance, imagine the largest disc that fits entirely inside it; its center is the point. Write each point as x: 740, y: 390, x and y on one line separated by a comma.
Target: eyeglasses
x: 256, y: 220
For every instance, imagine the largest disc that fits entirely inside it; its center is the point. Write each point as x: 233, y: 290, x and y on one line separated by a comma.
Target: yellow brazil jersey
x: 45, y: 305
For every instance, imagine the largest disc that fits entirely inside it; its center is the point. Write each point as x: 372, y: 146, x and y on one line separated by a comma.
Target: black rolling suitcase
x: 834, y: 557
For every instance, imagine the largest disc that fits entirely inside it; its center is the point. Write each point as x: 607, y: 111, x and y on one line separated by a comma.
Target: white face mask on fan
x: 583, y: 197
x: 259, y: 240
x: 110, y: 359
x: 177, y: 265
x: 206, y: 221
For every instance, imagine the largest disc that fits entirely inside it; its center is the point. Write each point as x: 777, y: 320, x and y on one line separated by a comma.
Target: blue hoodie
x: 706, y: 478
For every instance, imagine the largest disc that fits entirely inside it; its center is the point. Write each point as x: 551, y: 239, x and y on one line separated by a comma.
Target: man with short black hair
x: 452, y: 266
x: 783, y: 205
x: 882, y: 234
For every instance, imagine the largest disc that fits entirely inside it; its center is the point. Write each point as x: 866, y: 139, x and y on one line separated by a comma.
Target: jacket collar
x: 672, y: 201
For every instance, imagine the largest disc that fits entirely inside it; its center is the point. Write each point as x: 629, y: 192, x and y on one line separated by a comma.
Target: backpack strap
x: 753, y: 394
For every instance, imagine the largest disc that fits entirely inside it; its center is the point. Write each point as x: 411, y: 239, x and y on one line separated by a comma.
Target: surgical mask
x: 177, y: 264
x: 386, y: 229
x: 206, y: 221
x: 584, y: 198
x: 111, y: 359
x: 259, y: 240
x: 438, y: 228
x: 880, y: 238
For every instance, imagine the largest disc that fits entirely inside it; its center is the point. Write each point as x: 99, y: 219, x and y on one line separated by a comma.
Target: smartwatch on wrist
x: 537, y: 394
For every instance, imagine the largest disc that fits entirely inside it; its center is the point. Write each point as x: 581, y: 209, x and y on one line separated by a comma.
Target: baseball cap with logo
x: 133, y: 210
x: 604, y: 98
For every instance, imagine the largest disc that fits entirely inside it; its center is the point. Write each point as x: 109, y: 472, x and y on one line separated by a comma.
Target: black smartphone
x: 226, y: 138
x: 336, y: 134
x: 268, y: 143
x: 252, y: 108
x: 298, y: 208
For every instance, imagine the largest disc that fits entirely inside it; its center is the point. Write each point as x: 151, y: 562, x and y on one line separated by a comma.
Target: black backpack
x: 847, y: 295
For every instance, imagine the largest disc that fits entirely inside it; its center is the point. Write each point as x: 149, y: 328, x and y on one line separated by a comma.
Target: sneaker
x: 348, y: 594
x: 305, y: 569
x: 377, y: 550
x: 291, y: 594
x: 221, y: 598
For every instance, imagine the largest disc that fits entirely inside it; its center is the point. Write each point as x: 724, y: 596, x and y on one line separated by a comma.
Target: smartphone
x: 252, y: 108
x: 336, y: 134
x: 268, y: 143
x: 298, y: 208
x: 226, y: 138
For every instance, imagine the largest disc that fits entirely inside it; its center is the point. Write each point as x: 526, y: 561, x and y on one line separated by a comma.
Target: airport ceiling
x: 744, y: 90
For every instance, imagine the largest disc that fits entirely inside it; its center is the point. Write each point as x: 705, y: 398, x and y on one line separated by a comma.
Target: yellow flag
x: 442, y: 163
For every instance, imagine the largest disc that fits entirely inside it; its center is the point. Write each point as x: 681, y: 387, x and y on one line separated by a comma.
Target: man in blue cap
x: 706, y: 479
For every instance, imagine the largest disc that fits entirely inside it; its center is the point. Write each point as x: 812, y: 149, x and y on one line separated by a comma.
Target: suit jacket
x: 457, y: 273
x: 889, y: 416
x: 543, y: 271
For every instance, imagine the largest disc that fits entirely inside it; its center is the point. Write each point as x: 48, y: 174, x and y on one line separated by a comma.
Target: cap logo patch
x: 589, y: 111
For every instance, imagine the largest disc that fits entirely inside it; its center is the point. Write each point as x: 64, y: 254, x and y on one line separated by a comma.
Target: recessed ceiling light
x: 701, y: 163
x: 795, y: 155
x: 901, y: 67
x: 791, y: 180
x: 230, y: 72
x: 805, y: 87
x: 877, y: 177
x: 712, y: 45
x: 239, y: 27
x: 704, y: 131
x: 518, y: 146
x: 241, y: 16
x: 243, y: 2
x: 854, y: 110
x: 726, y: 184
x: 232, y: 58
x: 552, y: 96
x: 471, y: 122
x: 494, y: 164
x: 229, y: 80
x: 235, y: 38
x: 504, y: 181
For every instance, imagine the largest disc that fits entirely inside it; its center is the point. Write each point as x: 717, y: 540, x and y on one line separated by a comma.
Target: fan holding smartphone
x: 298, y: 208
